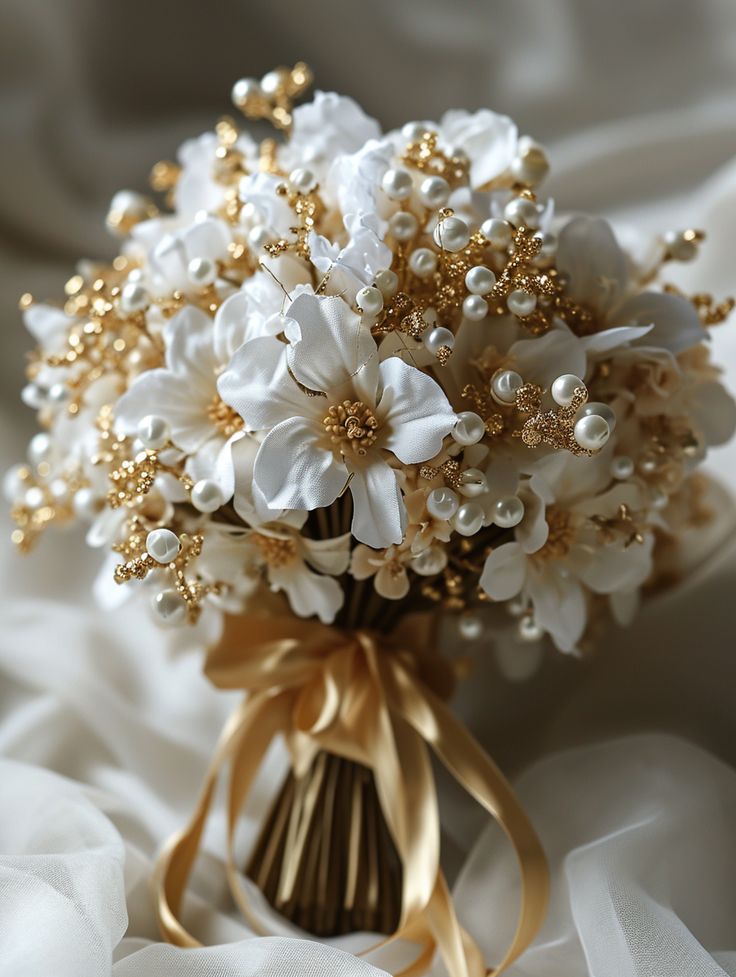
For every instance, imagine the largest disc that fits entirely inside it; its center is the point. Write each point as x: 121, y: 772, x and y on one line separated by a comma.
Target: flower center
x: 562, y: 531
x: 351, y: 426
x: 275, y: 552
x: 226, y: 420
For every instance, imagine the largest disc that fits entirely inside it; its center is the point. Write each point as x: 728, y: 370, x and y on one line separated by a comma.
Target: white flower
x: 387, y: 567
x: 487, y: 138
x: 335, y: 416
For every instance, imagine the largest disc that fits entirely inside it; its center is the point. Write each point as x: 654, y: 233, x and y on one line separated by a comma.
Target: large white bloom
x: 335, y: 417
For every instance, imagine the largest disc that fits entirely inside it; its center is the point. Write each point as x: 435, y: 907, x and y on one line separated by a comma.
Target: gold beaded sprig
x: 274, y: 96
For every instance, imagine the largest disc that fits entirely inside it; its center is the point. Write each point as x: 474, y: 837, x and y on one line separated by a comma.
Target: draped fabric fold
x: 364, y: 697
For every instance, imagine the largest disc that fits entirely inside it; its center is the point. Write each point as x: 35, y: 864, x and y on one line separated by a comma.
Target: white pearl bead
x: 163, y: 545
x: 153, y: 432
x: 207, y: 496
x: 434, y: 192
x: 521, y: 303
x: 564, y: 387
x: 475, y: 308
x: 436, y: 337
x: 480, y: 280
x: 34, y: 497
x: 271, y: 82
x: 430, y: 561
x: 403, y: 226
x: 498, y: 232
x: 258, y: 237
x: 302, y: 180
x: 412, y: 131
x: 516, y: 606
x: 469, y: 428
x: 504, y: 385
x: 531, y: 167
x: 592, y: 432
x: 680, y: 248
x: 369, y: 300
x: 602, y: 410
x: 508, y: 511
x: 85, y: 503
x: 442, y: 503
x: 522, y: 213
x: 470, y: 626
x: 201, y: 271
x: 423, y: 262
x: 134, y: 297
x: 397, y: 184
x: 451, y: 234
x: 243, y: 89
x: 468, y: 519
x: 58, y: 393
x: 59, y: 489
x: 32, y: 396
x: 40, y: 448
x: 529, y: 630
x: 473, y: 483
x: 388, y: 282
x: 622, y: 467
x: 169, y: 607
x: 648, y: 464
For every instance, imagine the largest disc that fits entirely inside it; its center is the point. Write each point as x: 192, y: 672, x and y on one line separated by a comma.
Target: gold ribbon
x: 360, y: 696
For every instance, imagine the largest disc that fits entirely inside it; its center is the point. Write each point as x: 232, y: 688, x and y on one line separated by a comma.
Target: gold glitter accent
x: 620, y: 526
x: 277, y: 552
x: 308, y: 208
x: 710, y: 311
x: 351, y: 425
x: 224, y: 417
x: 276, y: 107
x: 552, y: 427
x: 449, y: 470
x: 423, y: 154
x: 562, y: 531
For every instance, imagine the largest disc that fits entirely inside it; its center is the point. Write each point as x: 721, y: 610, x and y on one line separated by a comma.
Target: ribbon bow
x: 361, y: 696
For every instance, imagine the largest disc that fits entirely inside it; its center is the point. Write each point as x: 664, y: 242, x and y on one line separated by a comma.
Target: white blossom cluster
x: 355, y: 356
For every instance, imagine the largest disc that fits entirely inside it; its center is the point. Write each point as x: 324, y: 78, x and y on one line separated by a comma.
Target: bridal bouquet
x: 334, y: 382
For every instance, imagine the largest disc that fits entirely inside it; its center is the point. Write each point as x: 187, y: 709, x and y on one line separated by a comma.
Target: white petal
x: 392, y: 586
x: 173, y: 397
x: 605, y: 569
x: 189, y: 346
x: 207, y: 239
x: 677, y: 325
x: 414, y: 411
x: 293, y: 471
x: 379, y: 516
x: 543, y: 359
x: 489, y: 140
x: 309, y: 593
x: 257, y: 385
x: 328, y: 555
x: 559, y: 606
x: 714, y: 411
x: 335, y: 350
x: 231, y: 326
x: 608, y: 339
x: 589, y: 255
x: 533, y: 530
x: 504, y: 572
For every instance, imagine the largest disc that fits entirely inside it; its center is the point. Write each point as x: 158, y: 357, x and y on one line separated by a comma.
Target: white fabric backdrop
x: 107, y: 727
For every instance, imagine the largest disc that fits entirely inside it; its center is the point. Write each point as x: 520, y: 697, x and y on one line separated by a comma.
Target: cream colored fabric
x: 636, y: 102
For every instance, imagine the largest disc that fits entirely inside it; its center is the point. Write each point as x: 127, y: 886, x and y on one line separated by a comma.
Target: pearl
x: 134, y: 297
x: 302, y: 180
x: 258, y: 237
x: 470, y: 626
x: 549, y: 244
x: 201, y: 271
x: 516, y: 606
x: 153, y: 432
x: 169, y: 607
x: 680, y: 247
x: 601, y: 410
x: 388, y: 282
x: 397, y: 184
x: 480, y: 280
x: 403, y: 226
x: 451, y: 234
x: 592, y: 432
x: 473, y: 483
x: 498, y: 232
x: 163, y: 545
x: 436, y: 337
x: 32, y: 396
x: 529, y: 630
x: 522, y: 213
x: 648, y: 464
x: 468, y: 519
x: 469, y: 428
x: 207, y: 496
x: 531, y: 167
x: 58, y: 393
x: 564, y: 387
x: 423, y: 262
x: 39, y: 448
x: 504, y: 385
x: 243, y: 90
x: 475, y: 308
x: 85, y: 503
x: 272, y: 82
x: 430, y: 561
x: 434, y: 191
x: 508, y: 511
x: 369, y: 300
x: 622, y: 467
x: 34, y: 497
x: 521, y: 303
x: 442, y: 503
x: 59, y: 489
x: 413, y: 131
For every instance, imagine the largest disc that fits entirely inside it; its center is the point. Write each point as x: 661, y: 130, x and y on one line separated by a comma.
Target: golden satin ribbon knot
x: 360, y: 696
